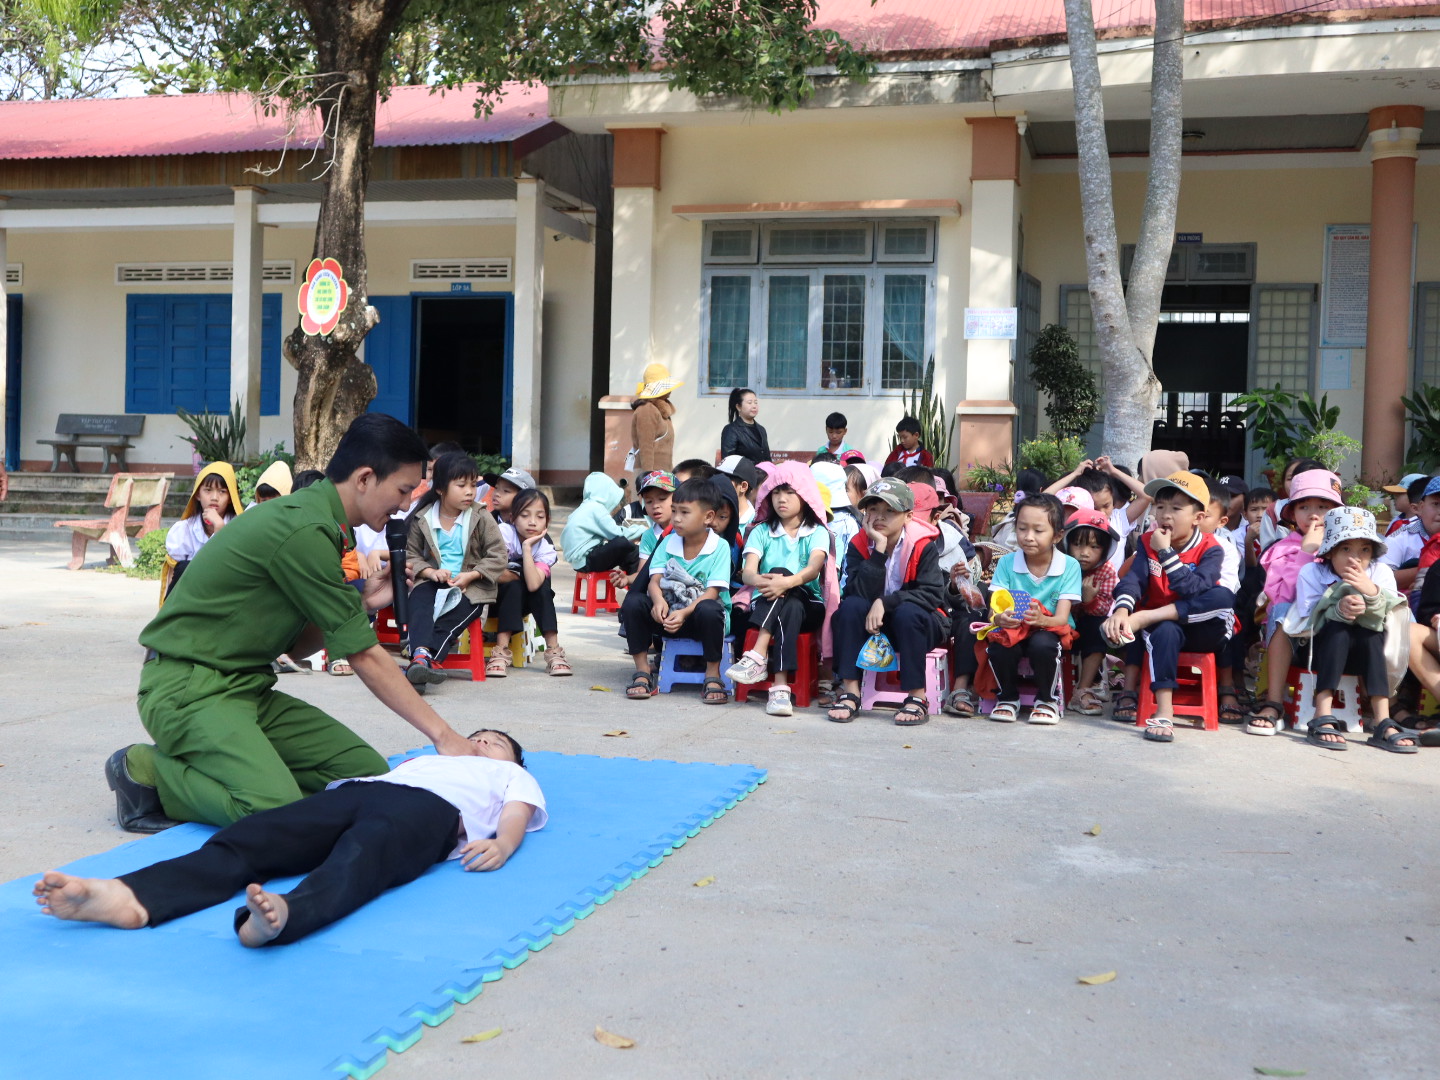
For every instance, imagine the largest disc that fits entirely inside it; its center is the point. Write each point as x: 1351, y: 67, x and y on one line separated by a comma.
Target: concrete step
x: 76, y: 494
x: 41, y: 527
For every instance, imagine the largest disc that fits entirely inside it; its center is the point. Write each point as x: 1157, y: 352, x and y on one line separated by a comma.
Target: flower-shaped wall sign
x: 323, y: 296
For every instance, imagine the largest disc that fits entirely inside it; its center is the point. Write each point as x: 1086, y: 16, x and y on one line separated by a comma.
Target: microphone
x: 397, y: 533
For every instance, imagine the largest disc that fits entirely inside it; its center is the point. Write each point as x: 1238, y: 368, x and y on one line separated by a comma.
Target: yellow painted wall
x: 74, y: 322
x: 764, y: 161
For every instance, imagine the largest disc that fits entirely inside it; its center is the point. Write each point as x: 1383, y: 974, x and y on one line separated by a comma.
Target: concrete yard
x: 892, y: 903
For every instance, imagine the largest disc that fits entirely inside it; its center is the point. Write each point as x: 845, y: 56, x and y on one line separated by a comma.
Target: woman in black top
x: 742, y: 435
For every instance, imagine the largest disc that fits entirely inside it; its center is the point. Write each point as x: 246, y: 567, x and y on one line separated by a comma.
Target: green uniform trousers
x: 230, y: 745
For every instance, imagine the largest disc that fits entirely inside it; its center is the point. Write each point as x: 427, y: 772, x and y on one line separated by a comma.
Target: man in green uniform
x: 226, y: 742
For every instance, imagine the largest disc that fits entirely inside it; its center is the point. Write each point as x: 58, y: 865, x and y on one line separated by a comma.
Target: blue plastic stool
x: 674, y: 648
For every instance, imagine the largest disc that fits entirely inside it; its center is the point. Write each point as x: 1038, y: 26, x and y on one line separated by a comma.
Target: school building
x: 154, y: 248
x: 821, y: 256
x: 824, y: 255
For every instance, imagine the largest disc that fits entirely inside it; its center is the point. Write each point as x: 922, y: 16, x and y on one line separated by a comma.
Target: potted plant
x: 1056, y: 368
x: 1422, y: 410
x: 1051, y: 454
x: 992, y: 487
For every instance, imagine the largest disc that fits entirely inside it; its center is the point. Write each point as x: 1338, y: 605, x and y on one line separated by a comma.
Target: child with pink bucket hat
x: 1342, y: 603
x: 1313, y: 494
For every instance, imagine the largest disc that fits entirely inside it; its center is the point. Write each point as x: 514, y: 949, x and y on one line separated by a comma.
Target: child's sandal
x: 1005, y: 712
x: 713, y: 692
x: 961, y: 703
x: 1127, y: 705
x: 1089, y: 702
x: 913, y: 712
x: 848, y: 705
x: 1044, y: 712
x: 642, y: 686
x: 555, y: 662
x: 1259, y: 724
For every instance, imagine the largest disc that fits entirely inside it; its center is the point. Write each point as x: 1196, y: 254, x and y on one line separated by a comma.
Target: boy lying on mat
x: 355, y: 839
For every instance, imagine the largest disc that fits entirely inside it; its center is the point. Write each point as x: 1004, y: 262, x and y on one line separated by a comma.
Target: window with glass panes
x: 1283, y: 334
x: 827, y: 306
x: 1427, y: 333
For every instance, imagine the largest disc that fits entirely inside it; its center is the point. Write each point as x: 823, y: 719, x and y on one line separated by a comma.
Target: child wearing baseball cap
x: 1341, y: 603
x: 1172, y: 597
x: 893, y: 586
x: 1313, y: 494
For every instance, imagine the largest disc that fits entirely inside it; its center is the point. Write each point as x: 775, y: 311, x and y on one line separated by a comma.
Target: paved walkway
x: 893, y: 903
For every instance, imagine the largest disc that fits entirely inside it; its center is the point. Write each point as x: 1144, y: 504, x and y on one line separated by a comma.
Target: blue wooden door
x: 389, y: 349
x: 177, y: 353
x: 13, y: 310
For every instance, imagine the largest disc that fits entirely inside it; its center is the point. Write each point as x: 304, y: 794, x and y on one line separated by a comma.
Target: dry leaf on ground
x: 484, y: 1036
x: 1096, y: 980
x: 609, y: 1038
x: 705, y: 881
x: 597, y: 686
x: 619, y: 733
x: 1264, y: 1071
x: 787, y: 731
x: 1094, y: 830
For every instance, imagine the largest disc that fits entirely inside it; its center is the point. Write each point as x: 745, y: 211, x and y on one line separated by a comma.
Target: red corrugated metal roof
x: 972, y: 26
x: 226, y: 123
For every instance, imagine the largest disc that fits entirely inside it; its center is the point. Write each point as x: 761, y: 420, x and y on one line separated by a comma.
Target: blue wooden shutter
x: 389, y: 350
x: 270, y: 355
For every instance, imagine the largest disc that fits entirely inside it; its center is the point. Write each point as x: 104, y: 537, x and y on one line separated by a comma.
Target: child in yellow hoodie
x: 214, y: 502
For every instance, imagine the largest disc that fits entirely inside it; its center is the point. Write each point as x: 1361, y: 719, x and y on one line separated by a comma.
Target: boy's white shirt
x: 1229, y: 562
x: 1316, y: 577
x: 951, y: 551
x: 479, y: 787
x: 1122, y: 524
x: 1405, y: 544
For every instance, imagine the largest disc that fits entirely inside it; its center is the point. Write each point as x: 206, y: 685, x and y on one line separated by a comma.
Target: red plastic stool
x: 1195, y: 693
x: 464, y: 657
x: 807, y: 671
x: 592, y: 597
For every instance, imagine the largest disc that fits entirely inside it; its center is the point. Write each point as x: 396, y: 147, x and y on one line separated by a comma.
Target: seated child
x: 1053, y: 582
x: 844, y: 518
x: 1405, y: 497
x: 213, y: 504
x: 1405, y: 545
x: 511, y: 482
x: 746, y: 479
x: 785, y: 555
x: 458, y: 555
x: 688, y: 592
x: 1230, y: 666
x: 695, y: 469
x: 836, y: 427
x: 526, y: 590
x: 1342, y: 601
x: 1028, y: 483
x: 1114, y: 493
x: 355, y: 839
x: 657, y: 491
x: 591, y: 540
x: 894, y: 587
x: 908, y: 449
x: 1089, y: 539
x: 1171, y: 595
x: 1312, y: 494
x: 1074, y: 499
x: 274, y: 483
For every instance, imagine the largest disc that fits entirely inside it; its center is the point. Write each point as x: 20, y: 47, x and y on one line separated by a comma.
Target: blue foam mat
x: 186, y: 999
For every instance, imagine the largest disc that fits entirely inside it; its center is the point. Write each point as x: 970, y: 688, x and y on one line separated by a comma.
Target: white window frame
x: 883, y: 227
x: 753, y: 228
x: 770, y: 228
x: 758, y: 369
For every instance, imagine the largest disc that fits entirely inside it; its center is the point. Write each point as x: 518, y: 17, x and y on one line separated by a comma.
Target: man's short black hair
x: 441, y: 448
x: 698, y: 469
x: 836, y: 420
x: 304, y: 478
x: 380, y: 442
x: 824, y: 456
x: 916, y: 474
x: 908, y: 423
x: 265, y: 491
x: 890, y: 468
x: 696, y: 490
x: 1258, y: 495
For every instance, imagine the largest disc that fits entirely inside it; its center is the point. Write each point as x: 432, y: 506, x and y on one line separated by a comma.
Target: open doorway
x: 462, y: 354
x: 1202, y: 349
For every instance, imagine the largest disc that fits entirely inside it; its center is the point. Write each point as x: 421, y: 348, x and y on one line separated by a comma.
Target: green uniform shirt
x: 258, y: 581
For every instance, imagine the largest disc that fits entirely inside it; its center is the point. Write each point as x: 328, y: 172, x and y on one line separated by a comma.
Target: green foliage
x: 1330, y: 448
x: 1051, y: 455
x: 997, y: 478
x: 216, y: 437
x: 937, y: 424
x: 1357, y: 494
x: 1056, y: 369
x: 149, y: 558
x: 247, y: 474
x: 1422, y: 409
x: 1280, y: 435
x: 491, y: 464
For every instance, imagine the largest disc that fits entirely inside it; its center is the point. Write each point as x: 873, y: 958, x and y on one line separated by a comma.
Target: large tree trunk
x: 335, y: 386
x: 1125, y: 332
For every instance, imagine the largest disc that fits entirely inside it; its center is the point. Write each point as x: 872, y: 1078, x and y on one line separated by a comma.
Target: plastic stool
x: 807, y: 671
x: 595, y: 592
x: 1067, y: 671
x: 885, y: 685
x: 1300, y: 700
x: 1195, y: 693
x: 519, y: 652
x: 674, y: 648
x: 461, y: 658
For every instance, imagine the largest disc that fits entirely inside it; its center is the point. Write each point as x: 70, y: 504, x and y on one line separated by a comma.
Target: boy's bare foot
x: 102, y: 900
x: 268, y: 914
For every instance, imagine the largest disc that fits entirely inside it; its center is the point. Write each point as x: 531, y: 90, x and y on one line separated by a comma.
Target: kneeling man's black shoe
x: 137, y: 805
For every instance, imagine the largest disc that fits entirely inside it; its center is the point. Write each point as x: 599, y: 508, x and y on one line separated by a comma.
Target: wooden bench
x: 101, y: 431
x: 126, y: 490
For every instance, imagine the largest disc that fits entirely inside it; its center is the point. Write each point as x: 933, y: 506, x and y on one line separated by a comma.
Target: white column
x: 992, y: 283
x: 529, y: 308
x: 245, y: 312
x: 630, y: 289
x: 4, y: 344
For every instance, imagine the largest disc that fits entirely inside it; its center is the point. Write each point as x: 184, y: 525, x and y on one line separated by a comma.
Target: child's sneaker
x: 778, y: 703
x: 421, y: 672
x: 749, y: 669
